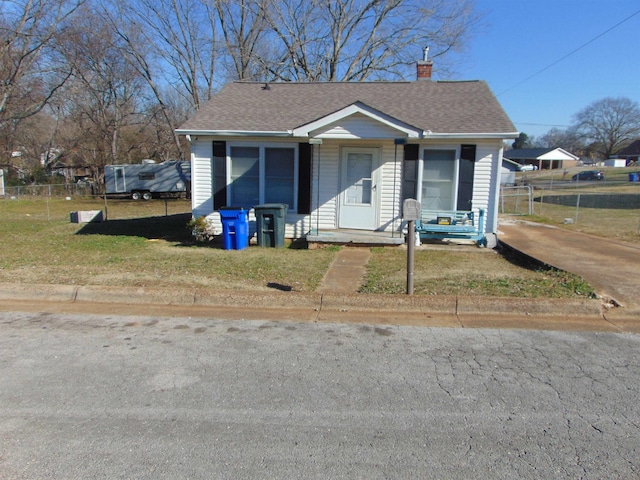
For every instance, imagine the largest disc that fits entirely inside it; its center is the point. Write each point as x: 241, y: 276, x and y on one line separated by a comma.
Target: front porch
x: 356, y: 238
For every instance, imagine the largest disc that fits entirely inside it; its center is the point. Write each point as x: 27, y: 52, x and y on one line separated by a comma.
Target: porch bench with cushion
x: 451, y: 224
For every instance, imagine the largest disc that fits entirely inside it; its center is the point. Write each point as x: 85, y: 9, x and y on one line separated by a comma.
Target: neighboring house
x: 543, y: 158
x: 71, y: 173
x: 630, y: 153
x: 615, y: 162
x: 508, y: 171
x: 343, y: 156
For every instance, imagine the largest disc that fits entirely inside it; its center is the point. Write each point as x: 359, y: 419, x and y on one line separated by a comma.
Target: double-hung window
x: 439, y: 180
x: 262, y: 174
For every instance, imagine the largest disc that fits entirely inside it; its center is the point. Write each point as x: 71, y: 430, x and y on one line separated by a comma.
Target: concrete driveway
x: 611, y: 267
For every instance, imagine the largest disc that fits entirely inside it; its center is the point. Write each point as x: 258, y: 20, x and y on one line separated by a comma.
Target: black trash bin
x: 235, y: 227
x: 270, y: 219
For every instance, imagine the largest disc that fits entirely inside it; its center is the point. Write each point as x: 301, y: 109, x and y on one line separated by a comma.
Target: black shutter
x: 219, y: 174
x: 465, y: 177
x: 410, y: 171
x: 304, y: 178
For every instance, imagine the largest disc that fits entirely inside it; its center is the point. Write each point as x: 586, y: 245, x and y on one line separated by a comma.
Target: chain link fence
x: 609, y: 208
x: 59, y: 190
x: 44, y: 208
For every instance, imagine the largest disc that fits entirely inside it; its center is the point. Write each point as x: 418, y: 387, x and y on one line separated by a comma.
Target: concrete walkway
x: 346, y: 272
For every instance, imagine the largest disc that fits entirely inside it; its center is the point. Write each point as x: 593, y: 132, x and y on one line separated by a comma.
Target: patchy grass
x: 618, y: 224
x: 440, y: 272
x: 139, y: 250
x: 149, y: 244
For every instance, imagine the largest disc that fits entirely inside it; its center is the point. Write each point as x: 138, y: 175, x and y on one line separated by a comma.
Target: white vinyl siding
x: 201, y: 178
x: 357, y: 126
x: 390, y: 187
x: 487, y: 183
x: 325, y: 190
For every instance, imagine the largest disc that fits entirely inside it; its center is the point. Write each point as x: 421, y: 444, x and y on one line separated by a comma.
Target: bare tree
x: 30, y: 72
x: 243, y: 26
x: 102, y: 101
x: 609, y: 124
x: 567, y: 139
x: 356, y: 40
x: 169, y: 42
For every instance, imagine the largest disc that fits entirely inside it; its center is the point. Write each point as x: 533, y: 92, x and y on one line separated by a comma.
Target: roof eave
x: 361, y: 108
x: 234, y: 133
x: 488, y: 136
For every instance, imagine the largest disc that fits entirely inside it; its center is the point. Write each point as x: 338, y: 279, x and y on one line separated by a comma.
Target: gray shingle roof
x: 523, y: 153
x: 442, y: 107
x: 632, y: 149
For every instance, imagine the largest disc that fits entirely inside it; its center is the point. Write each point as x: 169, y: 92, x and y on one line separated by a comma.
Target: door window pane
x: 359, y: 171
x: 438, y: 179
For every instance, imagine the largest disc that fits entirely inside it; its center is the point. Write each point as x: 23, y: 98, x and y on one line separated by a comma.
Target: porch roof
x: 448, y: 108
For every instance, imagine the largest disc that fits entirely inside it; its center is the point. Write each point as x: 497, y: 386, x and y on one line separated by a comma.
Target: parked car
x: 588, y: 175
x: 528, y: 168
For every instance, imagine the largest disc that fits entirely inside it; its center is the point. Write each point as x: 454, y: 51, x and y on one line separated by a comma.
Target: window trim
x: 262, y: 146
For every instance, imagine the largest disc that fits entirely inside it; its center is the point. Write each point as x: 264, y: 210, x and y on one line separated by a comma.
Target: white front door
x: 359, y: 190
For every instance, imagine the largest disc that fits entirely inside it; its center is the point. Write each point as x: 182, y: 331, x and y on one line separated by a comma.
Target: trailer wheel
x: 146, y: 195
x: 135, y: 195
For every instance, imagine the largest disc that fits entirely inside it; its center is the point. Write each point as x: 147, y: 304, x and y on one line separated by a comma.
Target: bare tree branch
x: 29, y: 72
x: 609, y: 124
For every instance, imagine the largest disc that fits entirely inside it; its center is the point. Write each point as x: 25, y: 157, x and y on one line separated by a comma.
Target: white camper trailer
x: 148, y: 179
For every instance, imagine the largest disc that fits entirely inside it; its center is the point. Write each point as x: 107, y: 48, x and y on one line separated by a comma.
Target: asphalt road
x: 146, y: 397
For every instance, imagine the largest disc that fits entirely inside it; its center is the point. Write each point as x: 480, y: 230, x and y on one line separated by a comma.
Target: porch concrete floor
x: 362, y: 238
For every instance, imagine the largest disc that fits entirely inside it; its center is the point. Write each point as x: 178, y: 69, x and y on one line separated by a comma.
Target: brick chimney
x: 424, y: 68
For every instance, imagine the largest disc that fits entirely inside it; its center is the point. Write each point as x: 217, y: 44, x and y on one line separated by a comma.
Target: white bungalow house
x: 543, y: 158
x: 344, y: 156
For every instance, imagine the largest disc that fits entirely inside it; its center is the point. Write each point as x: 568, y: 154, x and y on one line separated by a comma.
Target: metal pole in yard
x: 577, y: 207
x: 411, y: 212
x: 530, y: 200
x: 411, y: 245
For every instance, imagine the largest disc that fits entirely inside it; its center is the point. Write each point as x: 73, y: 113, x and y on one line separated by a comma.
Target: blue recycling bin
x: 235, y: 227
x: 634, y: 177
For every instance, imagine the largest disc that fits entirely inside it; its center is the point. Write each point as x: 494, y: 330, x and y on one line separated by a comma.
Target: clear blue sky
x: 523, y: 37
